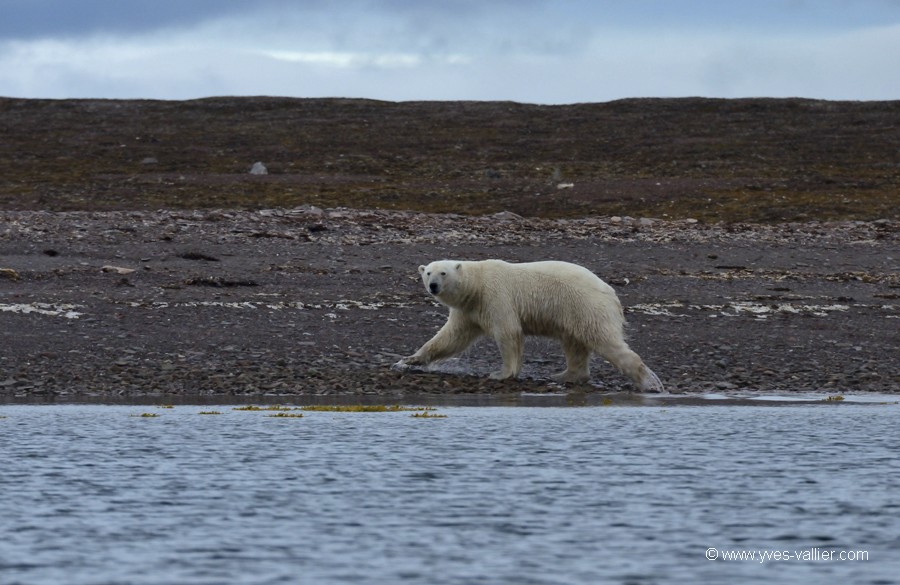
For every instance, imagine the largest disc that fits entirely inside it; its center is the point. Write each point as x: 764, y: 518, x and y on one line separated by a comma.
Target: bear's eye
x: 427, y: 274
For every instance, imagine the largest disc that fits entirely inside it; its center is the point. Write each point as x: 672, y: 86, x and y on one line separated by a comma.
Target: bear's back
x: 571, y: 274
x: 553, y: 298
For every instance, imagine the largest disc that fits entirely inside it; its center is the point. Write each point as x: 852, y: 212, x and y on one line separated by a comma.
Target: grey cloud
x: 28, y: 19
x: 548, y: 51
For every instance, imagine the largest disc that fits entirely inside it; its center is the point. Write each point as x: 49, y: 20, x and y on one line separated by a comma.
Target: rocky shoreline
x: 310, y: 302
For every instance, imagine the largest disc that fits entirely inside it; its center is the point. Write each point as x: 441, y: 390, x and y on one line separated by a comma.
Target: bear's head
x: 442, y: 279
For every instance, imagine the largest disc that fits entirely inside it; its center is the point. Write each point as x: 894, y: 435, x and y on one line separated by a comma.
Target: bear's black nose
x: 433, y: 287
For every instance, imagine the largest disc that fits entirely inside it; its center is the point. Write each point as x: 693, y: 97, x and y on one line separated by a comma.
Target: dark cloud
x: 28, y: 19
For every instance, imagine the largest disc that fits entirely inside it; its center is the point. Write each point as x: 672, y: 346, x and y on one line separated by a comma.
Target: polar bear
x: 508, y: 301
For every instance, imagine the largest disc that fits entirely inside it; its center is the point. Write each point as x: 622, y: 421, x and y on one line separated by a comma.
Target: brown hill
x: 715, y: 160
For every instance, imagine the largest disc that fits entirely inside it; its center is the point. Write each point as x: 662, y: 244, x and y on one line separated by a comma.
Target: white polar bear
x: 509, y: 301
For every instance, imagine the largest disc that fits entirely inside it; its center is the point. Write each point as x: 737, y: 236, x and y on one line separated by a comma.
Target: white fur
x: 509, y: 301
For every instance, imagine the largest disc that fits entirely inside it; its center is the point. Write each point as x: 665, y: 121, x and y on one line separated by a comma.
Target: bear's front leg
x: 511, y: 343
x: 454, y: 337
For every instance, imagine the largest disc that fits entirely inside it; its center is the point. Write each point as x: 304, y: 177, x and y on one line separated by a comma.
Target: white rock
x: 507, y: 216
x: 117, y: 269
x: 259, y: 169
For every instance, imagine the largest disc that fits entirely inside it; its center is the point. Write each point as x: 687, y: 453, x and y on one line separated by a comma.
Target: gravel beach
x: 306, y: 301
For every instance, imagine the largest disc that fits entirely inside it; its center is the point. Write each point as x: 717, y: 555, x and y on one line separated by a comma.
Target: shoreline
x: 559, y: 399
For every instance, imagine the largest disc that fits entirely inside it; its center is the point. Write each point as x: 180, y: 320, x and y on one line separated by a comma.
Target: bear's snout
x: 434, y: 288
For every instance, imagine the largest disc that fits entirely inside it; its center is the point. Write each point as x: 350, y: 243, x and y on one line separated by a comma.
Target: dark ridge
x: 758, y: 160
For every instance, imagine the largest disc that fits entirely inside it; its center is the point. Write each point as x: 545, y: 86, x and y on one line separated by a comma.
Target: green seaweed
x: 273, y: 407
x: 363, y: 408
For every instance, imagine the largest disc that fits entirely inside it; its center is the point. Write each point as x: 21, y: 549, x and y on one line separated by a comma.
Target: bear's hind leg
x: 630, y: 364
x: 578, y: 356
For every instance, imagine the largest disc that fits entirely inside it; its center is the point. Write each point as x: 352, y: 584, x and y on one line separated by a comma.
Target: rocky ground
x: 138, y: 257
x: 307, y: 301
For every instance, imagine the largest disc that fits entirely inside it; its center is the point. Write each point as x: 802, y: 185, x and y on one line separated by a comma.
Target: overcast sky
x: 539, y: 51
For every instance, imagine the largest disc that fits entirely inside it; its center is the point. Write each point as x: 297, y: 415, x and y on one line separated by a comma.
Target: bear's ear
x: 421, y: 268
x: 459, y: 266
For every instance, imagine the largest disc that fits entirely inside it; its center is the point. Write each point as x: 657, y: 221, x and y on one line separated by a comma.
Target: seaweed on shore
x: 365, y: 408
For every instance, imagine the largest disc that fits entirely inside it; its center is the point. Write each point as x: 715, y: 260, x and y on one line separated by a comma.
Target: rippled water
x: 91, y: 495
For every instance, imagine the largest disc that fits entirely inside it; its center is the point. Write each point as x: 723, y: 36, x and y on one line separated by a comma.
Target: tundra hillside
x: 753, y: 160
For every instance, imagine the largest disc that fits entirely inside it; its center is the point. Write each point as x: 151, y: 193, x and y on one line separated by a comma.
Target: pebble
x: 117, y: 269
x: 9, y: 273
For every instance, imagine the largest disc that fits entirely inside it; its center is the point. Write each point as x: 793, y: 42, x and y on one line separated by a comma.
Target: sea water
x: 722, y: 493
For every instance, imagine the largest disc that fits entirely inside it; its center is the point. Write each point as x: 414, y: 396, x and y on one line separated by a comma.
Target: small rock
x: 565, y: 186
x: 117, y: 269
x: 313, y: 210
x: 198, y: 256
x: 507, y: 216
x: 259, y: 169
x: 9, y: 273
x: 150, y: 160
